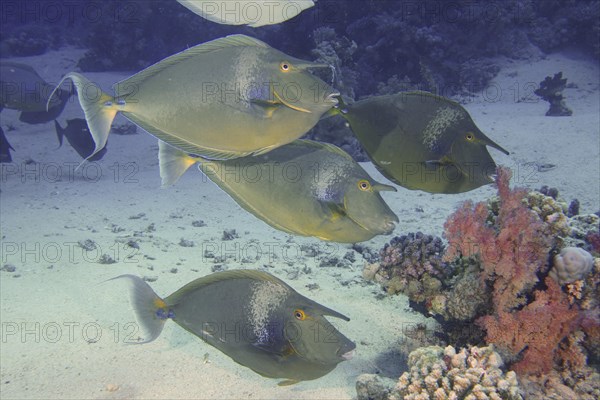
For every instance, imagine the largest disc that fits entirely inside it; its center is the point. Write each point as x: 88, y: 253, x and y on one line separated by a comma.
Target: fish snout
x: 347, y: 350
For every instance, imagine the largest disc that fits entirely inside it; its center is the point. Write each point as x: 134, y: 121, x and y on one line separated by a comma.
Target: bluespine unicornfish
x: 304, y: 188
x: 253, y: 317
x: 224, y: 99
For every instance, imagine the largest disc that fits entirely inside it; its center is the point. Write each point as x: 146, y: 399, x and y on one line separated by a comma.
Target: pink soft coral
x: 536, y: 330
x: 512, y: 251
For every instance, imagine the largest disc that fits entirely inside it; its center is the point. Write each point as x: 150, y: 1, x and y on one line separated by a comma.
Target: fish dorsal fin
x: 123, y: 87
x: 322, y: 145
x: 431, y: 96
x: 21, y: 66
x: 224, y: 276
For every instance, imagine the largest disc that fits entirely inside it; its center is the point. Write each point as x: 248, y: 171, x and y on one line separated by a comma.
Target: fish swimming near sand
x: 304, y: 188
x: 5, y: 148
x: 253, y: 13
x: 224, y: 99
x: 79, y: 137
x: 23, y: 89
x: 422, y: 141
x: 253, y: 317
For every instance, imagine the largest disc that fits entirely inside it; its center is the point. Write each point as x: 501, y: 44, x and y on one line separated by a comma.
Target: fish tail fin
x: 60, y: 132
x: 173, y: 163
x: 150, y: 310
x: 99, y: 108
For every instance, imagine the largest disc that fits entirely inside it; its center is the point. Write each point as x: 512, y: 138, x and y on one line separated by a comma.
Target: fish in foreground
x: 79, y: 137
x: 254, y: 318
x: 227, y: 98
x: 23, y: 89
x: 254, y: 13
x: 422, y: 141
x: 304, y: 188
x: 5, y: 148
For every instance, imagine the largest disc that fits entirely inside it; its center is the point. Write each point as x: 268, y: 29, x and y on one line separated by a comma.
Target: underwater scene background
x: 486, y: 293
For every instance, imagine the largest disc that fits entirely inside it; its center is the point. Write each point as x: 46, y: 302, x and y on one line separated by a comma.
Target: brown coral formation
x: 474, y: 373
x: 411, y: 264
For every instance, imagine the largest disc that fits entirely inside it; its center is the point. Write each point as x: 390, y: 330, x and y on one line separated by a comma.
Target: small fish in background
x: 223, y: 99
x: 422, y: 141
x: 253, y: 317
x: 304, y: 188
x: 5, y: 148
x: 21, y: 88
x: 79, y: 137
x: 253, y: 13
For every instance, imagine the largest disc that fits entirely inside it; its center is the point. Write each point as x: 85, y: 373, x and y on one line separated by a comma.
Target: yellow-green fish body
x: 254, y: 318
x: 305, y: 188
x: 422, y: 141
x: 223, y: 99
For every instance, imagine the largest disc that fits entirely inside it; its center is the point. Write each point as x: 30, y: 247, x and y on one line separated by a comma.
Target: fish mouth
x: 348, y: 355
x: 332, y: 98
x: 389, y: 227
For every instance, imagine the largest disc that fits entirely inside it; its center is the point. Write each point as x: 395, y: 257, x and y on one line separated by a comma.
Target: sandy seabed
x: 64, y: 330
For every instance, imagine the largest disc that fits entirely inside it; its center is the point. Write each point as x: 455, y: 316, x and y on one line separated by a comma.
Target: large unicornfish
x: 223, y: 99
x: 422, y: 141
x: 253, y: 317
x: 304, y: 188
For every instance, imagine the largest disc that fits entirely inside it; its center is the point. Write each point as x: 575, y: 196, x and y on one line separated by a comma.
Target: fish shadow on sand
x: 391, y: 363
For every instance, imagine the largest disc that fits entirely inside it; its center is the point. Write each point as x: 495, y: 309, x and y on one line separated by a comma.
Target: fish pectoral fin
x: 281, y: 351
x: 265, y: 108
x: 333, y: 211
x: 444, y: 161
x: 287, y: 382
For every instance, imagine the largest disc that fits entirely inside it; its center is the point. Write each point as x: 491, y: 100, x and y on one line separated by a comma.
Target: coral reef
x: 551, y: 91
x: 512, y: 251
x: 552, y: 211
x: 433, y: 45
x: 534, y: 332
x: 584, y: 384
x: 411, y: 264
x: 572, y: 264
x: 585, y: 233
x: 531, y: 315
x: 474, y: 373
x: 337, y: 51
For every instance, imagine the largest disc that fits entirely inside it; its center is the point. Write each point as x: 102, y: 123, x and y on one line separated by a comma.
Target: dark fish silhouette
x: 255, y: 318
x: 422, y: 141
x: 79, y: 137
x: 21, y: 88
x: 5, y: 148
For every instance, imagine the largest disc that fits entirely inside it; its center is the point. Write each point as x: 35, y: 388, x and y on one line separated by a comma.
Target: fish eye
x: 300, y: 315
x: 364, y: 185
x: 470, y: 137
x: 285, y: 66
